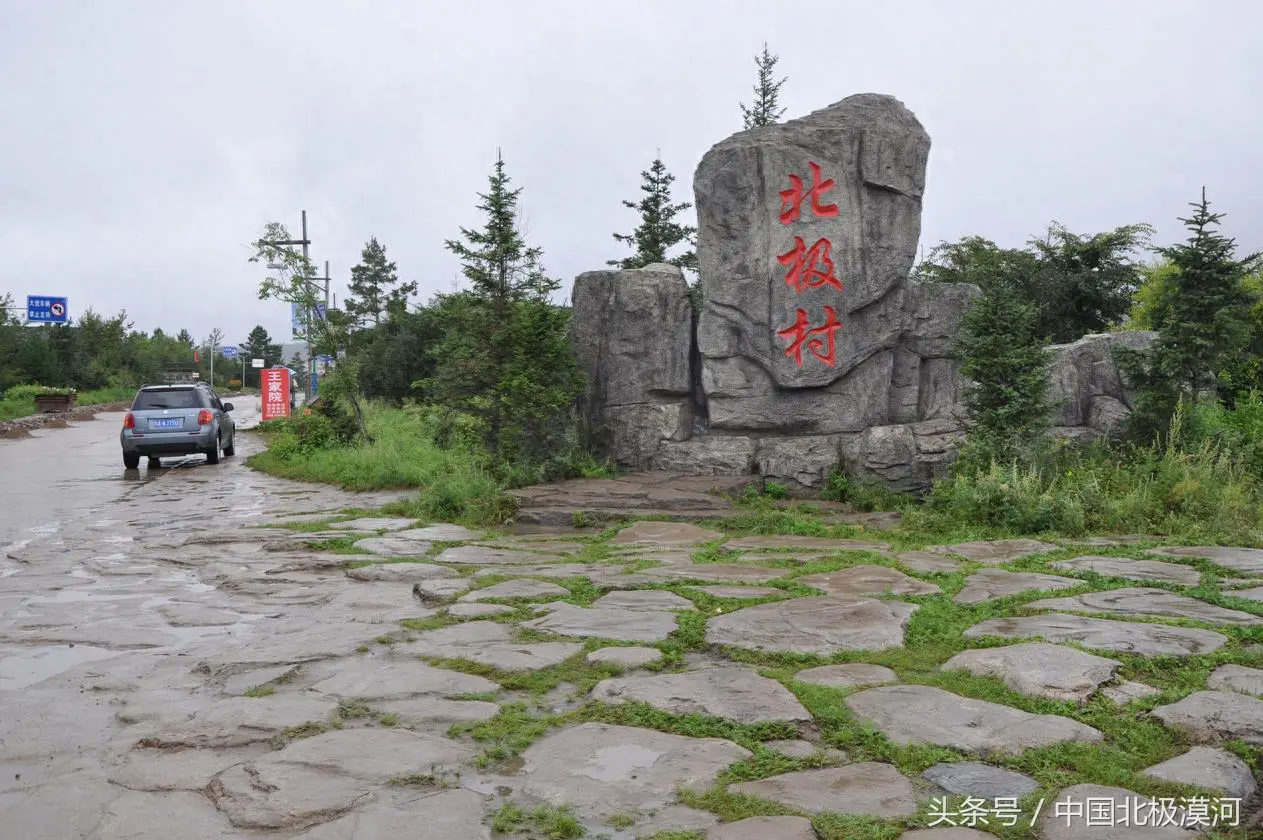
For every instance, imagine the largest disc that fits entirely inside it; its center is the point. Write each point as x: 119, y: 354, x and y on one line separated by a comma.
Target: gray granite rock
x: 439, y: 590
x: 516, y: 589
x: 1125, y: 567
x: 789, y: 542
x: 644, y: 599
x: 925, y: 561
x: 721, y: 591
x: 1246, y: 560
x: 821, y: 625
x: 400, y: 572
x: 995, y: 552
x: 918, y: 714
x: 1207, y: 767
x: 392, y: 546
x: 848, y: 675
x: 990, y: 584
x: 446, y: 814
x: 624, y: 625
x: 972, y: 778
x: 1147, y: 601
x: 1069, y: 816
x: 626, y: 657
x: 371, y: 523
x: 1213, y: 717
x: 733, y: 692
x: 601, y: 770
x: 1104, y: 634
x: 866, y: 788
x: 1127, y: 692
x: 869, y: 580
x: 675, y: 818
x: 479, y: 555
x: 478, y: 610
x: 650, y: 533
x: 374, y: 678
x: 440, y: 533
x: 487, y: 643
x: 764, y: 828
x: 1039, y: 669
x: 1237, y: 678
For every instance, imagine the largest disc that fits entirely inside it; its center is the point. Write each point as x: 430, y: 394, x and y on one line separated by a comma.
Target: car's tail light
x: 204, y: 417
x: 129, y: 422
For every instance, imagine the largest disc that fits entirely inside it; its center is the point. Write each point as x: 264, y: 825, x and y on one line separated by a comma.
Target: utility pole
x: 305, y: 242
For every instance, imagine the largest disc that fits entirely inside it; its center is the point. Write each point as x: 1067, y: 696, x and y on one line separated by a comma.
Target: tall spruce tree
x: 375, y: 287
x: 1205, y: 325
x: 259, y: 345
x: 505, y: 356
x: 658, y: 232
x: 765, y: 109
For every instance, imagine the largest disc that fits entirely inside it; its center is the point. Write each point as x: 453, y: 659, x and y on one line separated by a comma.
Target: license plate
x: 166, y: 423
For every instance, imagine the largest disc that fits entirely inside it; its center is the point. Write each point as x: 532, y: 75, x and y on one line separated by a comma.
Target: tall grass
x: 1198, y: 486
x: 19, y: 401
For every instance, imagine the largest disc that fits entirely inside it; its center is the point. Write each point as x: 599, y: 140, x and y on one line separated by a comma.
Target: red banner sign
x: 275, y: 382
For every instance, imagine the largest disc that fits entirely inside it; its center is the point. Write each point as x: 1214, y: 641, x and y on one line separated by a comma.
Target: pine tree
x: 764, y: 110
x: 658, y: 231
x: 1206, y: 323
x: 375, y: 287
x: 259, y: 345
x: 1004, y: 359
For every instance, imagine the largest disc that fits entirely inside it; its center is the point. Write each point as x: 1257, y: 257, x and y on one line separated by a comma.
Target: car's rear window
x: 181, y: 398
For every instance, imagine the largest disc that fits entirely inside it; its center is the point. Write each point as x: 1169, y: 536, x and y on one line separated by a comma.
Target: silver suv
x: 176, y: 420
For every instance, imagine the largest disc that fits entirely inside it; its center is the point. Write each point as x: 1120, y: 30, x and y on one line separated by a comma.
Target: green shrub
x: 860, y: 496
x: 1238, y: 430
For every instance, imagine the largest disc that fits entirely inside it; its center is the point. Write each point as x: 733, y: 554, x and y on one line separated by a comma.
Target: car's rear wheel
x: 131, y: 462
x: 231, y: 448
x: 212, y: 454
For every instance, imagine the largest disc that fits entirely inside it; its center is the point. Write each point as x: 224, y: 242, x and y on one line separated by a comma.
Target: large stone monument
x: 812, y: 347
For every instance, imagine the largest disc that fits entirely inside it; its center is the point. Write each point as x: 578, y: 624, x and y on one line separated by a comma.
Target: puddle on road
x: 37, y: 663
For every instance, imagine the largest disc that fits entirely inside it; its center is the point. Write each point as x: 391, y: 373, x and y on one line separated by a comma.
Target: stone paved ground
x: 168, y: 673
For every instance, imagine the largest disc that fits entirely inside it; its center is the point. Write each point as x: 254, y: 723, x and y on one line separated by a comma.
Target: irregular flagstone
x: 45, y: 812
x: 1246, y: 560
x: 487, y: 643
x: 865, y: 788
x: 181, y: 614
x: 847, y: 675
x: 428, y: 709
x: 153, y: 816
x: 283, y: 643
x: 1104, y: 634
x: 1127, y: 692
x: 371, y: 523
x: 1208, y: 768
x: 925, y: 561
x: 1254, y: 593
x: 972, y: 778
x: 440, y: 533
x: 441, y: 815
x: 664, y: 534
x: 240, y: 721
x: 478, y: 610
x: 440, y: 589
x: 722, y: 572
x: 400, y: 572
x: 920, y: 714
x: 764, y: 828
x: 1147, y: 601
x: 644, y: 599
x: 273, y: 795
x: 869, y: 580
x: 793, y: 747
x: 820, y: 625
x: 527, y: 544
x: 955, y: 833
x: 624, y: 625
x: 1039, y: 669
x: 819, y: 543
x: 1237, y: 678
x: 994, y: 552
x: 1125, y: 567
x: 989, y: 584
x: 757, y: 558
x: 477, y: 555
x: 516, y: 589
x: 1069, y: 817
x: 677, y: 818
x: 627, y: 657
x: 739, y: 591
x: 1216, y: 716
x: 592, y: 571
x: 374, y: 678
x: 602, y: 770
x: 374, y: 754
x: 189, y: 770
x: 731, y: 692
x: 241, y: 683
x: 393, y: 546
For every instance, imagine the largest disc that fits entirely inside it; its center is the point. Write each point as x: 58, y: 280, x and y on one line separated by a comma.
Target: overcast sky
x: 147, y: 143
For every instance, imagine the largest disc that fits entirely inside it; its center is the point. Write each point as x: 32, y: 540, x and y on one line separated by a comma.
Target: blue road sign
x: 324, y: 360
x: 315, y: 383
x: 47, y: 310
x: 230, y: 352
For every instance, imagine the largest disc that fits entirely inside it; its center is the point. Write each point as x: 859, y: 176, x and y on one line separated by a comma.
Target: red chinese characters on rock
x: 802, y: 333
x: 792, y: 198
x: 810, y: 268
x: 802, y: 261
